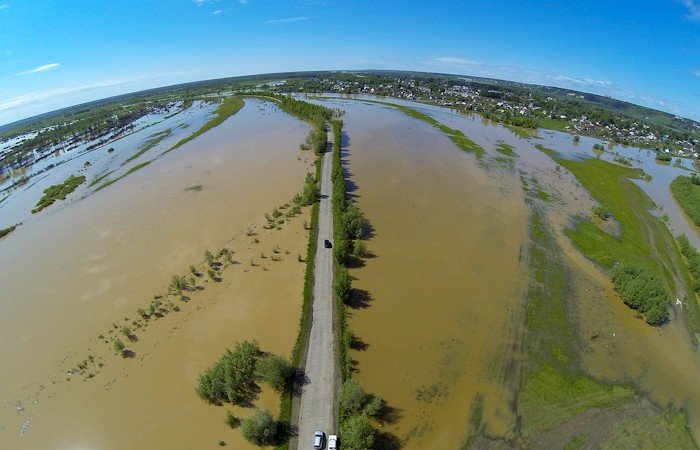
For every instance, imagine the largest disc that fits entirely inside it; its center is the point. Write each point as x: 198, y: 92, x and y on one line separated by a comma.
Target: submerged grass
x: 456, y: 136
x: 644, y: 239
x: 229, y: 107
x: 505, y: 149
x: 154, y: 140
x: 97, y: 180
x: 554, y: 387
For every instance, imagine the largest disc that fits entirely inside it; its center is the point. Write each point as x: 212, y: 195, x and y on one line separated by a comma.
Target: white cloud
x: 287, y: 20
x: 44, y: 68
x: 4, y: 6
x: 693, y: 9
x: 218, y: 11
x: 696, y: 73
x: 34, y: 97
x: 455, y: 60
x: 583, y: 81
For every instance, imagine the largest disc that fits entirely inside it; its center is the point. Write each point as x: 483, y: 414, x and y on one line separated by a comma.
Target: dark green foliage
x: 665, y: 157
x: 58, y: 192
x: 693, y: 257
x: 315, y: 115
x: 274, y: 371
x: 232, y: 378
x: 309, y: 195
x: 357, y: 433
x: 687, y: 193
x: 642, y: 291
x: 598, y: 147
x: 343, y: 282
x: 602, y: 212
x: 577, y: 138
x: 352, y: 398
x: 4, y: 232
x: 260, y: 428
x: 232, y: 420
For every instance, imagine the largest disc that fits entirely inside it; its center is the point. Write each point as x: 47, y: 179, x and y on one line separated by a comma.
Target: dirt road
x: 318, y: 407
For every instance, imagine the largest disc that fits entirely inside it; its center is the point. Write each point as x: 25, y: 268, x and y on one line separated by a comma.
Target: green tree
x: 260, y: 428
x: 232, y: 378
x: 274, y: 371
x: 352, y: 398
x: 343, y: 283
x: 357, y: 433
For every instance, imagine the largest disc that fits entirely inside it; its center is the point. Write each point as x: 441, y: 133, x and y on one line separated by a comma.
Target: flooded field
x: 439, y: 308
x: 441, y: 312
x: 78, y: 269
x: 446, y: 274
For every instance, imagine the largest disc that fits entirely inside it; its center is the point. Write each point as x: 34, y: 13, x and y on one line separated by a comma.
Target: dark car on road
x: 327, y: 244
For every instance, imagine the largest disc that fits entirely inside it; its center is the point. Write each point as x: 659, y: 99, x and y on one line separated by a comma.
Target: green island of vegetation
x: 5, y: 231
x: 58, y: 192
x: 644, y: 261
x: 686, y: 191
x: 229, y: 107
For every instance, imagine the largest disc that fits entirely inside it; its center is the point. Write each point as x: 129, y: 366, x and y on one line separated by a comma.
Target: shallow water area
x: 101, y: 257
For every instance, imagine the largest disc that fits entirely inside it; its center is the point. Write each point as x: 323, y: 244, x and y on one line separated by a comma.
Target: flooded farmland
x: 81, y: 268
x: 439, y: 309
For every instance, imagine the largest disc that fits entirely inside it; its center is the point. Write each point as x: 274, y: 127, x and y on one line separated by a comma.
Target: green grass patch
x: 552, y: 124
x: 665, y: 430
x: 549, y: 398
x: 229, y: 107
x: 154, y: 140
x: 135, y: 168
x: 523, y: 132
x: 505, y: 149
x: 644, y: 239
x: 542, y: 195
x: 686, y: 191
x: 58, y: 192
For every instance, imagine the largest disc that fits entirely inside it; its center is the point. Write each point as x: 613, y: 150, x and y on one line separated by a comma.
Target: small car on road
x: 319, y: 438
x: 327, y: 244
x: 332, y: 442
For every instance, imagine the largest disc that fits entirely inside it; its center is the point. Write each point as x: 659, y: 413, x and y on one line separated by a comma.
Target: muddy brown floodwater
x: 442, y: 314
x: 70, y: 274
x: 439, y: 308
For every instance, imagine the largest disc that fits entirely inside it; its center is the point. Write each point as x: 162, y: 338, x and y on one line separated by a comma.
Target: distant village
x: 515, y: 106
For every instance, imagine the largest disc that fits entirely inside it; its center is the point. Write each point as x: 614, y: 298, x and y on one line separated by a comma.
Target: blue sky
x: 59, y: 53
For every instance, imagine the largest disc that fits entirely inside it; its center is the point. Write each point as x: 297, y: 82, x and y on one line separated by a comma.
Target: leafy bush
x: 687, y: 194
x: 642, y: 291
x: 693, y: 258
x: 275, y: 371
x: 260, y: 428
x: 665, y: 157
x: 232, y: 378
x: 357, y: 433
